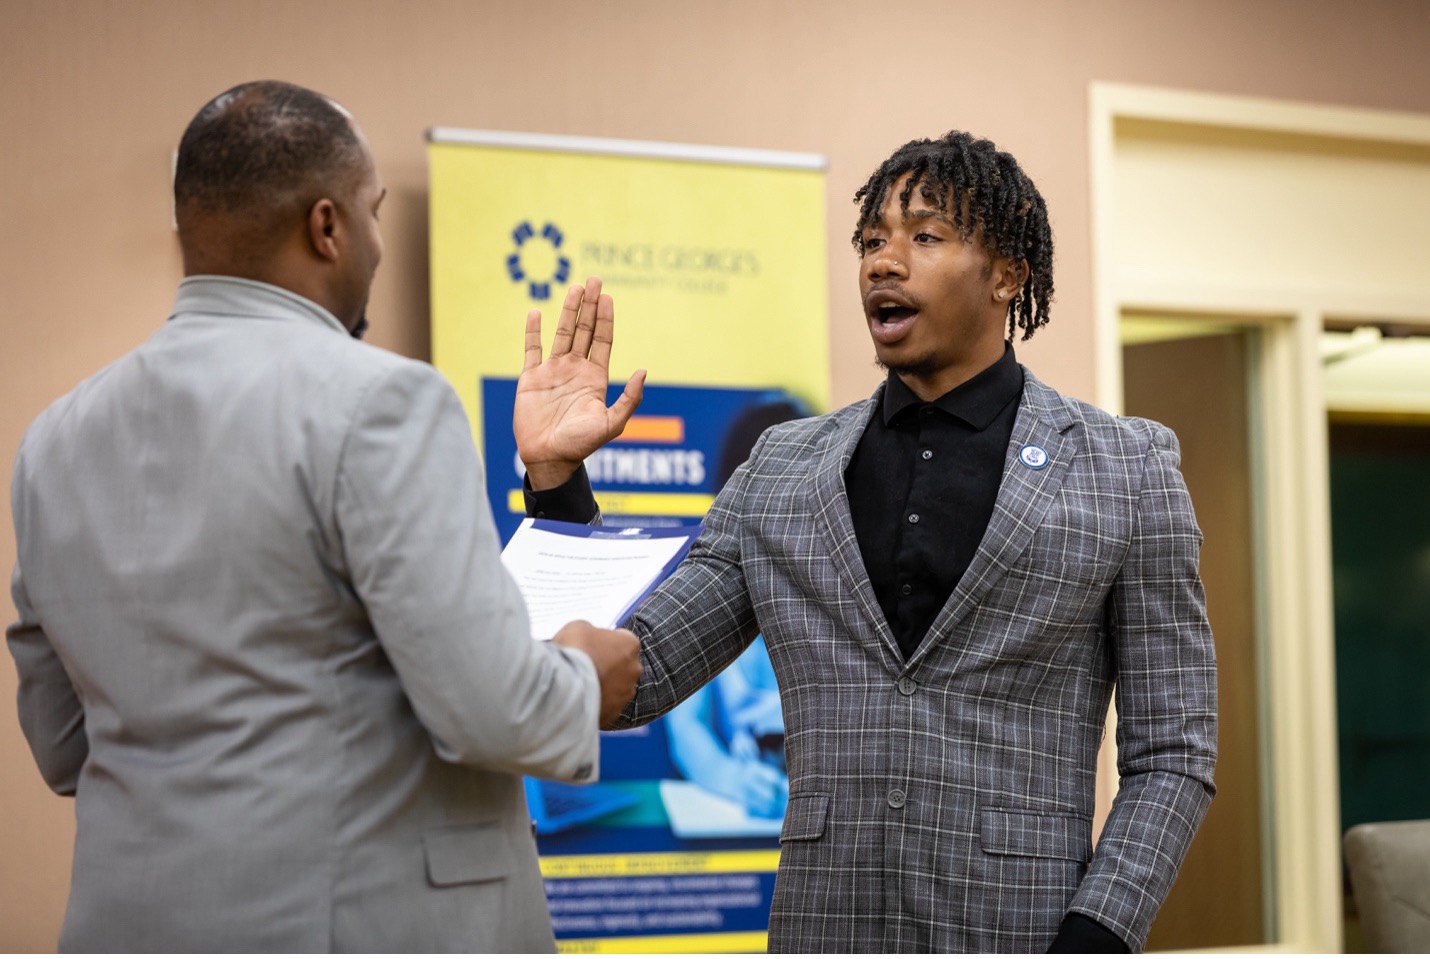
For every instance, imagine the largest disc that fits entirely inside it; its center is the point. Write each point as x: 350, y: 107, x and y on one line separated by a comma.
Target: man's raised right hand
x: 560, y: 415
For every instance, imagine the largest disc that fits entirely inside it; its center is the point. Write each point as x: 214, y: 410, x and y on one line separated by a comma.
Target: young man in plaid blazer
x: 952, y: 577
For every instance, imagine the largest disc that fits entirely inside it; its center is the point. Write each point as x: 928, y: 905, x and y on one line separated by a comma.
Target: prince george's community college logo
x: 1033, y: 457
x: 538, y: 261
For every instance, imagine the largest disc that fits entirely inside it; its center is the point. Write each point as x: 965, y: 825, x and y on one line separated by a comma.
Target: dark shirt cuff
x: 571, y: 502
x: 1080, y: 933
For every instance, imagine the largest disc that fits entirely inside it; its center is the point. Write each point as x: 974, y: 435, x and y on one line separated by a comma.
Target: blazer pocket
x: 804, y: 817
x: 1059, y: 565
x: 1045, y: 835
x: 474, y: 852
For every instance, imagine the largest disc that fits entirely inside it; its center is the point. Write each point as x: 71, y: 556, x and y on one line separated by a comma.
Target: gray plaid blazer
x: 944, y: 802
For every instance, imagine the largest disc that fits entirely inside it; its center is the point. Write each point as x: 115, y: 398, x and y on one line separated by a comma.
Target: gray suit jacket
x: 945, y: 802
x: 266, y: 639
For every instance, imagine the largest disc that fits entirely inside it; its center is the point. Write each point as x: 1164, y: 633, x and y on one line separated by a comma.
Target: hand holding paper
x: 573, y: 575
x: 616, y: 654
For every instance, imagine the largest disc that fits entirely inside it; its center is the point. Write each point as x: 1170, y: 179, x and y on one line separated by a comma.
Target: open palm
x: 560, y: 416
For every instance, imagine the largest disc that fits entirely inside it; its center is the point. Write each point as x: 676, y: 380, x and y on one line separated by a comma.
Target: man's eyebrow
x: 929, y: 215
x: 908, y: 216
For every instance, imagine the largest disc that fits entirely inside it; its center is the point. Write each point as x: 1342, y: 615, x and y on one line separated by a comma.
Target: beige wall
x: 96, y: 92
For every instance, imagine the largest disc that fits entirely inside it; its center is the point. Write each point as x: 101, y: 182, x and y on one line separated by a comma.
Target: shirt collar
x: 235, y: 296
x: 977, y: 401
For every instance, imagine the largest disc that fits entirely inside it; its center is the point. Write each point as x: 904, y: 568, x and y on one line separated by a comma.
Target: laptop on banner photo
x: 556, y: 807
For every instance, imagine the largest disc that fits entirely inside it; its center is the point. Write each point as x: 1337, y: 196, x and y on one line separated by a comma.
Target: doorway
x: 1377, y: 378
x: 1197, y: 378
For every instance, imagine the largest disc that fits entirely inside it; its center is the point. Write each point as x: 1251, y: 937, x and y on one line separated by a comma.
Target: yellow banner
x: 717, y: 268
x: 658, y: 945
x: 716, y: 261
x: 691, y: 506
x: 659, y: 863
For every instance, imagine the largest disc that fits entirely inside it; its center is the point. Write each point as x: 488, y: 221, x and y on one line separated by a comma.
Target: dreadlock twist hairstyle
x: 984, y: 189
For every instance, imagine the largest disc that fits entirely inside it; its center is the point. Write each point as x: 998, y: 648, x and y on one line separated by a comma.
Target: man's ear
x: 323, y: 229
x: 1009, y: 277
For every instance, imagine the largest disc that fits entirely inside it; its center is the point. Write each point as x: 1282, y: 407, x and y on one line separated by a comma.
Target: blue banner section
x: 607, y: 906
x: 677, y: 452
x: 707, y: 781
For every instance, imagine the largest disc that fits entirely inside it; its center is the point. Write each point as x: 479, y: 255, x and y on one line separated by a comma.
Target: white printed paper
x: 568, y: 572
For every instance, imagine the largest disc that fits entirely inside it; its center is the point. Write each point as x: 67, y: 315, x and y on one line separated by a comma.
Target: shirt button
x: 906, y: 589
x: 913, y: 517
x: 907, y: 686
x: 896, y: 798
x: 928, y: 454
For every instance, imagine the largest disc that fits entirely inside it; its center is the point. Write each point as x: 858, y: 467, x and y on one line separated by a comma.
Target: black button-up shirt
x: 921, y: 485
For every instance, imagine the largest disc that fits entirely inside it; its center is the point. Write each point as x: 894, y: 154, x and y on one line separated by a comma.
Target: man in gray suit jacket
x: 951, y: 578
x: 265, y: 636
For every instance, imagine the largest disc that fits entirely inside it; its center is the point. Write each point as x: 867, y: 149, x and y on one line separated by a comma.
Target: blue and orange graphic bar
x: 653, y: 429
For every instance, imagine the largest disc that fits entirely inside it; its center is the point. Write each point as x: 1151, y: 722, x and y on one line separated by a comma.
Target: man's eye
x: 872, y: 243
x: 925, y: 237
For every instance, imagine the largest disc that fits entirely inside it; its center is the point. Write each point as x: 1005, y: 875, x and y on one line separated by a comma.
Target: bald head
x: 251, y: 164
x: 276, y: 183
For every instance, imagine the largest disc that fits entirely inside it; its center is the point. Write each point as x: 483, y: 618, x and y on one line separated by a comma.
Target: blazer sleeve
x: 1166, y: 705
x: 424, y: 557
x: 701, y: 618
x: 51, y: 714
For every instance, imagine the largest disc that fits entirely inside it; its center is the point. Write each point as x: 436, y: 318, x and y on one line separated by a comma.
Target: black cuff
x: 572, y: 501
x: 1080, y: 933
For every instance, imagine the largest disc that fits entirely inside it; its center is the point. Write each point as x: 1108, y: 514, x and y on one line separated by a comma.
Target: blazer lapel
x: 1024, y: 495
x: 831, y: 515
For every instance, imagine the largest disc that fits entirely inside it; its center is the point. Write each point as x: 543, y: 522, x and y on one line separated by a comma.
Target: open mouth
x: 889, y: 304
x: 894, y: 313
x: 890, y: 313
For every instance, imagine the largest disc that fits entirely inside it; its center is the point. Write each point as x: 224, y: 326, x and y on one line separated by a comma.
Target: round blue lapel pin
x: 1033, y: 457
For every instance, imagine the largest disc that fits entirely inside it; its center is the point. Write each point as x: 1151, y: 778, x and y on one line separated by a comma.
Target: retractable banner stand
x: 715, y: 260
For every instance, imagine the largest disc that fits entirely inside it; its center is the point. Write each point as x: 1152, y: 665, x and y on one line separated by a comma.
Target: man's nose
x: 887, y: 261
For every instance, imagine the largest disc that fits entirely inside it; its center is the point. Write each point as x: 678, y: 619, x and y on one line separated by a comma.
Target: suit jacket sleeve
x: 424, y: 557
x: 1166, y: 702
x: 51, y: 714
x: 701, y: 618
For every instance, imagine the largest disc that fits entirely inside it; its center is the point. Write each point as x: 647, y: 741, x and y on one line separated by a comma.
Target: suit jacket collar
x: 235, y: 296
x: 836, y: 524
x: 1043, y: 433
x: 1044, y: 422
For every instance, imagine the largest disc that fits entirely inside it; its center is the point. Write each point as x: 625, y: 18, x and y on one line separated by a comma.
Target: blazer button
x: 907, y: 686
x: 897, y: 798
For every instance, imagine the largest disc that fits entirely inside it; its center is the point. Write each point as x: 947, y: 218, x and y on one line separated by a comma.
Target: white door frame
x: 1301, y: 795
